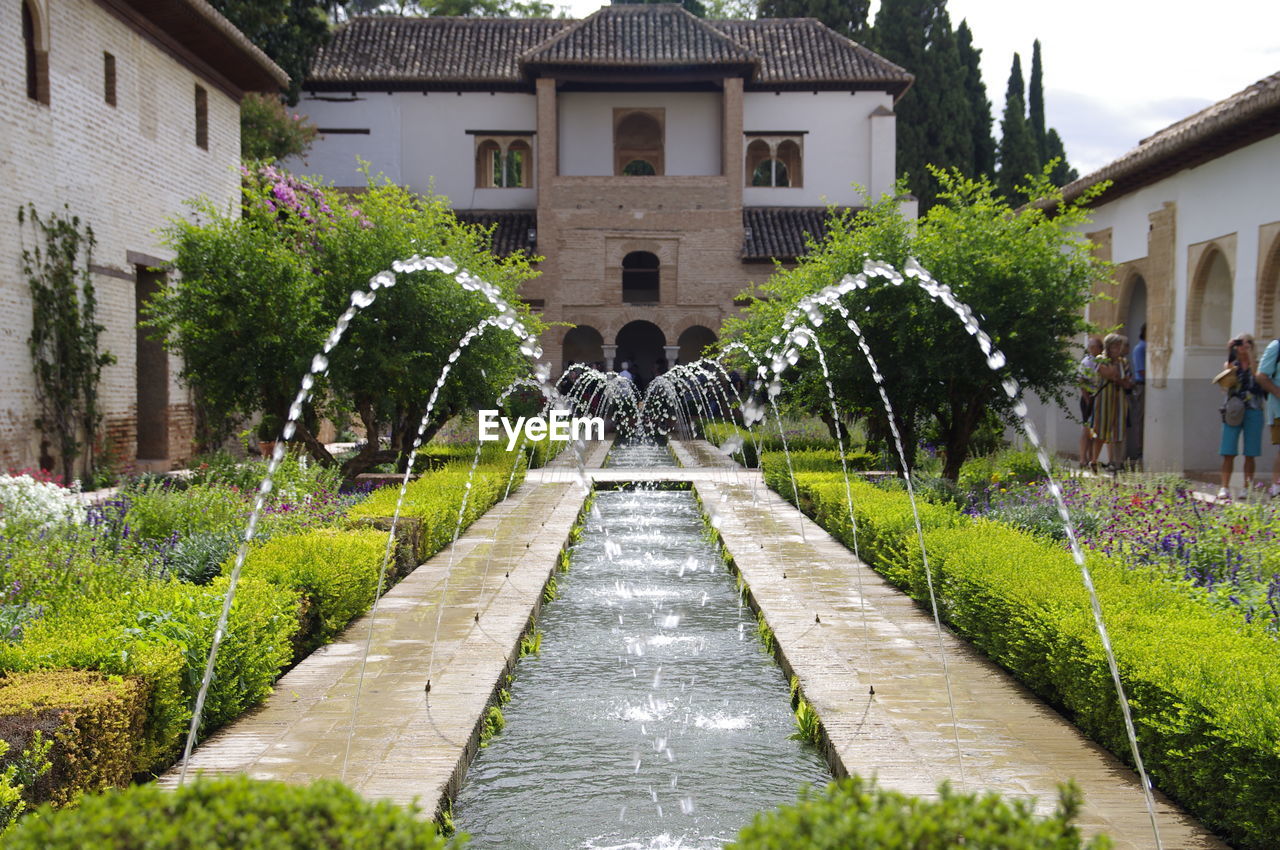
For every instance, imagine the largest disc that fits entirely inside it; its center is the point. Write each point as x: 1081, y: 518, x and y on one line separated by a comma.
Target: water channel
x: 652, y: 717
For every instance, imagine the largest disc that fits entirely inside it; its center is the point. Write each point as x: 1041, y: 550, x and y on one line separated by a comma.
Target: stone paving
x: 839, y: 641
x: 1010, y: 741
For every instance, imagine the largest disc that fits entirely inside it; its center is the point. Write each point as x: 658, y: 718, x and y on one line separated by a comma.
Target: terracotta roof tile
x: 780, y: 233
x: 642, y: 35
x: 512, y: 231
x: 504, y: 53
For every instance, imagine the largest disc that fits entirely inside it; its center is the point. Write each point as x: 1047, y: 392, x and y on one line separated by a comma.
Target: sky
x: 1116, y: 71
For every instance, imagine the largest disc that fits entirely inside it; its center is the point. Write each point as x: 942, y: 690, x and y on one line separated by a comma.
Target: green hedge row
x: 1204, y: 689
x: 766, y: 435
x: 296, y: 592
x: 855, y: 814
x: 229, y: 814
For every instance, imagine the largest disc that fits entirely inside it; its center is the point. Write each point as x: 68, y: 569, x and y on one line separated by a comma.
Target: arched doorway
x: 583, y: 344
x: 640, y: 344
x: 1135, y: 325
x: 694, y: 341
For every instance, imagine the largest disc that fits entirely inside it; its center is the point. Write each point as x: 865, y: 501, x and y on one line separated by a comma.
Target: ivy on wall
x: 64, y: 333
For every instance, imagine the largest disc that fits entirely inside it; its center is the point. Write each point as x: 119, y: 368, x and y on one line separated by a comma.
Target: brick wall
x: 124, y: 170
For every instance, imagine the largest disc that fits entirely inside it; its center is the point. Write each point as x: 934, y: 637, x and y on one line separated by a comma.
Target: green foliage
x: 1205, y: 691
x: 261, y: 287
x: 80, y: 730
x: 494, y: 722
x: 550, y: 591
x: 855, y: 814
x: 530, y: 643
x: 17, y: 775
x: 158, y: 511
x: 64, y: 333
x: 431, y: 504
x: 235, y: 813
x: 1018, y: 155
x: 334, y: 571
x: 983, y: 145
x: 160, y: 632
x: 767, y: 639
x: 288, y: 31
x: 268, y: 132
x: 1026, y: 274
x: 808, y: 724
x: 693, y: 7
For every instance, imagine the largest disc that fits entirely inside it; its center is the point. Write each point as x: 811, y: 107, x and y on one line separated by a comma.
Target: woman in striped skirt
x: 1109, y: 408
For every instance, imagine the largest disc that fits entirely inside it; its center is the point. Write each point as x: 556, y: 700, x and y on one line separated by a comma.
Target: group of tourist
x: 1112, y: 385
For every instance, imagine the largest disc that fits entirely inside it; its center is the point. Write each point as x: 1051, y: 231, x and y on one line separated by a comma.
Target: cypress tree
x: 1035, y: 104
x: 1017, y: 147
x: 1062, y: 172
x: 847, y: 17
x: 984, y: 145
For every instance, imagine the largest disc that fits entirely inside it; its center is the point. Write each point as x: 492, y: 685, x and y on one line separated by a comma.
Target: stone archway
x: 582, y: 344
x: 694, y: 341
x: 640, y: 343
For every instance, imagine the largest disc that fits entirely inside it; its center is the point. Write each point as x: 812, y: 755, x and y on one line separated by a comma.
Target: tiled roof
x: 802, y: 52
x: 198, y: 27
x: 430, y: 52
x: 505, y: 53
x: 637, y: 36
x: 512, y: 231
x: 1246, y: 117
x: 779, y: 233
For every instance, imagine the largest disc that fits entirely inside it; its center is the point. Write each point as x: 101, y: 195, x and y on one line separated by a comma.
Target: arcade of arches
x: 641, y: 344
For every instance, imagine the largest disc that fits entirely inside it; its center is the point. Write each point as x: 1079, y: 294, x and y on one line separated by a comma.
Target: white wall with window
x: 839, y: 146
x: 690, y: 122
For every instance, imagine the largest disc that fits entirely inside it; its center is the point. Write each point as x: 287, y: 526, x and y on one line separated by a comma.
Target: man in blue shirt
x: 1137, y: 397
x: 1268, y: 375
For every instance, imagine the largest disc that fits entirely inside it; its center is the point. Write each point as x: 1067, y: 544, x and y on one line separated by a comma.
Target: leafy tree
x: 268, y: 132
x: 289, y: 31
x: 458, y: 8
x: 742, y: 10
x: 847, y: 17
x: 984, y: 145
x: 1026, y: 274
x: 1018, y: 156
x: 259, y: 292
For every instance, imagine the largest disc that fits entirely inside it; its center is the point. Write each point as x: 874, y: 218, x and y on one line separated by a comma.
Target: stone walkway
x: 1011, y: 742
x: 408, y: 743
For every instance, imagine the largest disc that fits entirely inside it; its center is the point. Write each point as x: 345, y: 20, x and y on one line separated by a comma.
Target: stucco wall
x: 692, y: 124
x: 124, y: 170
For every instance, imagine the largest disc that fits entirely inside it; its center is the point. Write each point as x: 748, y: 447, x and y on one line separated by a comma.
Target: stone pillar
x: 610, y: 357
x: 731, y: 163
x: 672, y: 353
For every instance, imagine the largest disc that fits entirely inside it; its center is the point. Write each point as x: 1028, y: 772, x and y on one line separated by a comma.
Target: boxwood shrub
x: 229, y: 814
x: 431, y: 503
x: 160, y: 632
x: 334, y: 571
x: 1204, y: 688
x: 855, y: 814
x: 95, y: 724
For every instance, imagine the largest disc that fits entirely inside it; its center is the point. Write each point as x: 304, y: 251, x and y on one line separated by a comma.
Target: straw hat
x: 1226, y: 379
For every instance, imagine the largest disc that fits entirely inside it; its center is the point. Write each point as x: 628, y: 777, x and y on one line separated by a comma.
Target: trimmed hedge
x: 94, y: 721
x: 766, y: 435
x: 335, y: 572
x: 161, y: 632
x: 431, y: 504
x: 229, y: 814
x: 855, y: 814
x: 1205, y: 689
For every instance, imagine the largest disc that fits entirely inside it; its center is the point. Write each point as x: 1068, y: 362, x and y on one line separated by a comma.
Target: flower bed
x: 1203, y: 685
x: 125, y: 596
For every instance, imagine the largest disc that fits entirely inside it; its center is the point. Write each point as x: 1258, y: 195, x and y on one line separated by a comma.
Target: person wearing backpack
x: 1241, y: 414
x: 1268, y: 378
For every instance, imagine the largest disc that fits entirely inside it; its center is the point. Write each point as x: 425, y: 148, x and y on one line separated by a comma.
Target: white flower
x: 23, y: 500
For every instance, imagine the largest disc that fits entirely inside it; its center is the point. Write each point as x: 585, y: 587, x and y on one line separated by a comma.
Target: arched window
x: 638, y: 168
x: 773, y: 161
x: 1269, y: 294
x: 1209, y: 310
x: 770, y: 172
x: 640, y: 278
x: 36, y: 60
x: 503, y: 163
x: 637, y: 137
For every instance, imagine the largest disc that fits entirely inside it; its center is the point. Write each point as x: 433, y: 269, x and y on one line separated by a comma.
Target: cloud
x: 1097, y: 130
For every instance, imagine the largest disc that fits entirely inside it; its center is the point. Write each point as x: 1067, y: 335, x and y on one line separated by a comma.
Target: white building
x: 118, y: 110
x: 1192, y: 222
x: 657, y: 160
